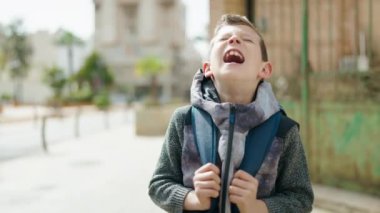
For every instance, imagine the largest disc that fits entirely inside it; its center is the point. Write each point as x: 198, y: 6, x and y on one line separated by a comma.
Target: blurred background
x: 87, y: 88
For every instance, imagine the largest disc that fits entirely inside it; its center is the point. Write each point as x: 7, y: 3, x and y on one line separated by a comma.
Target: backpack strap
x: 206, y: 143
x: 286, y: 124
x: 258, y: 142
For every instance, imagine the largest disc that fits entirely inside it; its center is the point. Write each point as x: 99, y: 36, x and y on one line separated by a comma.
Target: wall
x: 343, y: 149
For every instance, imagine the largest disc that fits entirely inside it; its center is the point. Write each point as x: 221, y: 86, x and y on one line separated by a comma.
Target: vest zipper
x: 228, y: 158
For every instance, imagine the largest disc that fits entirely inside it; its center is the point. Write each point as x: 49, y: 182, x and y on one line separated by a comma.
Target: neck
x: 236, y: 93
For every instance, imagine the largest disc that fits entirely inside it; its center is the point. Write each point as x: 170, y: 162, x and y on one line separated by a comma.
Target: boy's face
x: 236, y: 56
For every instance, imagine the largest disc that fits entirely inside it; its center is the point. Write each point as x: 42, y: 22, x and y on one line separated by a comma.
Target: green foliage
x: 15, y: 55
x: 17, y: 50
x: 102, y: 100
x: 67, y: 38
x: 5, y: 97
x: 84, y: 95
x: 149, y: 66
x: 94, y: 80
x: 55, y: 78
x: 3, y: 59
x: 95, y: 73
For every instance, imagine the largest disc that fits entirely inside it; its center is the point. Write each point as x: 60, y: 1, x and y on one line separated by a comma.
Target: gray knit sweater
x: 284, y: 183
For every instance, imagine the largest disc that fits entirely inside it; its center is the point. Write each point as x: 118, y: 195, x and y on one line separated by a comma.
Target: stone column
x: 109, y: 21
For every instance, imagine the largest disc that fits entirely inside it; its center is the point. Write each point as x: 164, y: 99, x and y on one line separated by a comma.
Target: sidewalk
x: 22, y: 113
x: 100, y: 173
x: 12, y: 114
x: 342, y: 201
x: 109, y: 172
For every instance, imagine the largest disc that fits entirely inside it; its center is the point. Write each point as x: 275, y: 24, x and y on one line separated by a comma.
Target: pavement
x: 338, y: 200
x: 109, y: 171
x: 11, y: 114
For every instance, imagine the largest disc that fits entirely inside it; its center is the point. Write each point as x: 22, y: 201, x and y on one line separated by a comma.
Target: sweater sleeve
x: 166, y: 186
x: 293, y: 191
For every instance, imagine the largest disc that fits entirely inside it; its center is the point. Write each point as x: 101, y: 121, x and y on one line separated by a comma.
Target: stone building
x: 45, y: 53
x: 128, y: 30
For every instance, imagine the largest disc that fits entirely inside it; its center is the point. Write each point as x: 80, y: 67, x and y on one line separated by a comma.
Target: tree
x: 2, y: 64
x: 17, y: 52
x: 3, y: 58
x: 69, y: 40
x: 98, y: 76
x: 55, y: 78
x: 96, y: 73
x: 151, y: 67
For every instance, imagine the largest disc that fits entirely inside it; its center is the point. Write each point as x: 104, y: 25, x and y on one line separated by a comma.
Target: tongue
x: 233, y: 59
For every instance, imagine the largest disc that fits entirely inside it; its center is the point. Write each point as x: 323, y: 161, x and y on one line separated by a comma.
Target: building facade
x: 45, y: 53
x: 341, y: 32
x: 128, y: 30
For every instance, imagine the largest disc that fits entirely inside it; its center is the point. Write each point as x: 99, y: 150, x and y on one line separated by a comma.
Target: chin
x: 232, y: 75
x: 234, y: 69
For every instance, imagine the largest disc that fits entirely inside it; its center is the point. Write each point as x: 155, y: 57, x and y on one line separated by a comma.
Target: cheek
x: 254, y: 52
x: 255, y: 59
x: 216, y: 58
x: 217, y: 51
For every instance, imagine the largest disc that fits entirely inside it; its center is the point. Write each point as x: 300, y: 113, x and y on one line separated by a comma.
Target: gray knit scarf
x: 205, y: 96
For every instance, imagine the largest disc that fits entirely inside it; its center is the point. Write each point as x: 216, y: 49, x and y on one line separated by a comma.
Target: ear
x: 207, y: 71
x: 266, y: 71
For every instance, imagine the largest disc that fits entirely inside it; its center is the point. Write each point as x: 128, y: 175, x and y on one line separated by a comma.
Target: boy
x: 231, y: 89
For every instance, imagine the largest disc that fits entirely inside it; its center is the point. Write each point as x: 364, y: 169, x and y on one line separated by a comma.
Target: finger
x: 241, y: 183
x: 208, y: 74
x: 237, y: 191
x: 246, y: 177
x: 208, y: 167
x: 243, y: 175
x: 206, y: 176
x: 236, y: 199
x: 207, y: 185
x: 207, y: 193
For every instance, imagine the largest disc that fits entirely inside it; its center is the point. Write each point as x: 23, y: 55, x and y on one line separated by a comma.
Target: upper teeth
x: 234, y: 52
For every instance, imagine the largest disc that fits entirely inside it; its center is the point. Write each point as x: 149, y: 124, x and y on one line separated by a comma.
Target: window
x: 131, y: 18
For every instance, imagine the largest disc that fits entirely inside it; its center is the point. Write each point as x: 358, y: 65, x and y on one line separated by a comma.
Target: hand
x: 243, y: 192
x: 206, y: 186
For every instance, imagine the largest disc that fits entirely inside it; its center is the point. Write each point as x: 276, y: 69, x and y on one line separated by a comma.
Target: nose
x: 234, y: 39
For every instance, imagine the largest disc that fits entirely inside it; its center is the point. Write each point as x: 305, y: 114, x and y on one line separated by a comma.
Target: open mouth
x: 233, y: 56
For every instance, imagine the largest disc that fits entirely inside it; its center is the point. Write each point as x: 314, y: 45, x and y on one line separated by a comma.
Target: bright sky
x: 78, y: 15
